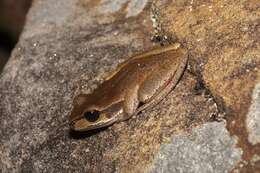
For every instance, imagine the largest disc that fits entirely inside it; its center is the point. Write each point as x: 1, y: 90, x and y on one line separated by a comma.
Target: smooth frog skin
x: 138, y: 83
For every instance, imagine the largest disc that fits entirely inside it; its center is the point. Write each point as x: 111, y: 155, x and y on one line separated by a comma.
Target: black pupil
x: 92, y: 116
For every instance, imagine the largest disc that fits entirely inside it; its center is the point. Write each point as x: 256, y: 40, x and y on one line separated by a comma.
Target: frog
x: 137, y: 84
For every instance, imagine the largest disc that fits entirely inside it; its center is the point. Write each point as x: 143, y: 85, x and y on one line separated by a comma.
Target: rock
x: 209, y: 120
x: 207, y: 149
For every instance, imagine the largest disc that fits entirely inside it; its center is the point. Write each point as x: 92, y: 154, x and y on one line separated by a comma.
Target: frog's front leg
x: 130, y: 102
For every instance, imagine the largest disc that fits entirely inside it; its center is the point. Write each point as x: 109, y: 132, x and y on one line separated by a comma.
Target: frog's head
x: 87, y: 116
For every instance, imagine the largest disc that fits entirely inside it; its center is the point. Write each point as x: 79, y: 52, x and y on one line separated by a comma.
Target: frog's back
x: 135, y: 72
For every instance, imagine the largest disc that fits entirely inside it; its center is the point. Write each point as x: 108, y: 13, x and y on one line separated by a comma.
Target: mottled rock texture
x: 68, y: 46
x: 206, y: 149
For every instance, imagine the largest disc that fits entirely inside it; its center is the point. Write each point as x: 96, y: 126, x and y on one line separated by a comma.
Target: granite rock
x: 68, y: 46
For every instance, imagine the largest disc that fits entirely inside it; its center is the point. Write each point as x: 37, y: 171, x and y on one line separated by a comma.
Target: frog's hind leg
x: 153, y: 95
x: 152, y: 85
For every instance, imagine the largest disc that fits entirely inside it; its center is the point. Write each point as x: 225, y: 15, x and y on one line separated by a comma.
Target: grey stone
x: 206, y: 149
x: 253, y: 117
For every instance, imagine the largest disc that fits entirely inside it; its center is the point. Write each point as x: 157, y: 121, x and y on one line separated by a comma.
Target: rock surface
x: 205, y: 149
x: 68, y: 46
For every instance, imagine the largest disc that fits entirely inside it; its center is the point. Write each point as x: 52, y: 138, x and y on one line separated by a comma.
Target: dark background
x: 12, y: 18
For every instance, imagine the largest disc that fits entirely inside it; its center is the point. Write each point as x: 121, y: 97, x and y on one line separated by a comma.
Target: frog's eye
x: 92, y: 116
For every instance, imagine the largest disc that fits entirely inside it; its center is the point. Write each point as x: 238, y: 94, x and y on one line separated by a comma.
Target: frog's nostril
x: 92, y: 116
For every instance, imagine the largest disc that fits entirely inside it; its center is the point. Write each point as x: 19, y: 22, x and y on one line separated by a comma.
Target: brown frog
x: 138, y: 83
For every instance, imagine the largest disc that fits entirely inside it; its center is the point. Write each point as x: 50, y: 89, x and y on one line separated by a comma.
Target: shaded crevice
x: 12, y: 19
x: 201, y: 89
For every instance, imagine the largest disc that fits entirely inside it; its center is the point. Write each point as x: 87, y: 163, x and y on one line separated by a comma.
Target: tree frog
x: 137, y: 84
